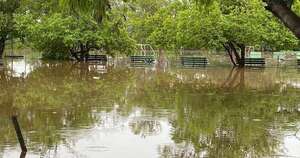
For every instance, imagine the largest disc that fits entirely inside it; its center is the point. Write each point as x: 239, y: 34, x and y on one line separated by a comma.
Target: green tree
x: 64, y: 35
x: 7, y: 10
x: 249, y: 24
x: 282, y: 9
x: 197, y: 29
x: 229, y: 24
x: 234, y: 26
x: 92, y: 8
x: 143, y: 18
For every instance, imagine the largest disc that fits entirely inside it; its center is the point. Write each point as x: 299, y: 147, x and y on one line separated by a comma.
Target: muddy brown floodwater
x: 71, y: 110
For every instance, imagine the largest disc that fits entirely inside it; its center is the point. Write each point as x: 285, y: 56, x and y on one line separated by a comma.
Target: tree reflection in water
x: 213, y: 112
x: 242, y: 123
x: 145, y: 128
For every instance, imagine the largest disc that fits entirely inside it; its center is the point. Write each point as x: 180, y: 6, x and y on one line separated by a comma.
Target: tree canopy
x: 7, y: 10
x: 71, y: 27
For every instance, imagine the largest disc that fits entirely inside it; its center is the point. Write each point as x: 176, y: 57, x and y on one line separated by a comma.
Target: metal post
x: 23, y: 154
x: 19, y: 133
x: 12, y: 46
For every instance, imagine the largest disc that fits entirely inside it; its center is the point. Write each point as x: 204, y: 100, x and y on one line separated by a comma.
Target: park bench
x: 14, y: 56
x: 255, y: 60
x: 140, y: 59
x: 298, y: 58
x: 192, y: 61
x: 97, y: 58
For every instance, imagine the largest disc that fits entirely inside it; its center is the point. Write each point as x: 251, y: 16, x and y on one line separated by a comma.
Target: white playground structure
x: 146, y: 50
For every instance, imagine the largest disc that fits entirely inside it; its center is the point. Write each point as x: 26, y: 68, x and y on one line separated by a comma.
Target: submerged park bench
x: 97, y: 58
x: 14, y: 56
x: 255, y: 60
x: 192, y: 61
x: 298, y: 58
x: 141, y: 59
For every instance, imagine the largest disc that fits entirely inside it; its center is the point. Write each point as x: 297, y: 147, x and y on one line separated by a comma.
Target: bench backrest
x: 142, y: 57
x: 97, y: 57
x: 298, y: 54
x: 255, y: 61
x: 193, y: 61
x: 255, y: 55
x: 193, y: 58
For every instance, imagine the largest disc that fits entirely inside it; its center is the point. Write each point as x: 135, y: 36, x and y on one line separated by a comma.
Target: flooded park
x: 149, y: 79
x: 82, y: 110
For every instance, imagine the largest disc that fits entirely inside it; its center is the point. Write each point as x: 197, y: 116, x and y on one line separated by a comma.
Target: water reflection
x: 20, y: 67
x: 145, y: 127
x: 73, y: 110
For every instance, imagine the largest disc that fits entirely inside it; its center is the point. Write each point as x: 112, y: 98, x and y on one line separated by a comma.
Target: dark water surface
x: 74, y: 110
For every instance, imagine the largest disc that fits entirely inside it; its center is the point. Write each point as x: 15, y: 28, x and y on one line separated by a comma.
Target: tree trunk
x: 228, y: 49
x: 2, y: 46
x: 235, y: 52
x: 80, y: 53
x: 243, y: 55
x: 74, y: 54
x: 285, y: 15
x: 82, y: 56
x: 237, y: 58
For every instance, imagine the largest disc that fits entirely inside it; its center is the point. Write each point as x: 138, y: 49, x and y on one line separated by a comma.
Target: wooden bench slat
x: 97, y: 58
x: 255, y: 61
x: 194, y: 61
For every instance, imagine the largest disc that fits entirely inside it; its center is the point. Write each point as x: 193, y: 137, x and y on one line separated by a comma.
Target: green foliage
x: 94, y: 8
x: 56, y: 35
x: 39, y: 8
x: 157, y: 25
x: 6, y: 24
x: 7, y: 10
x: 186, y: 25
x: 198, y: 29
x: 252, y: 25
x: 143, y: 18
x: 163, y: 36
x: 9, y: 7
x: 110, y: 25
